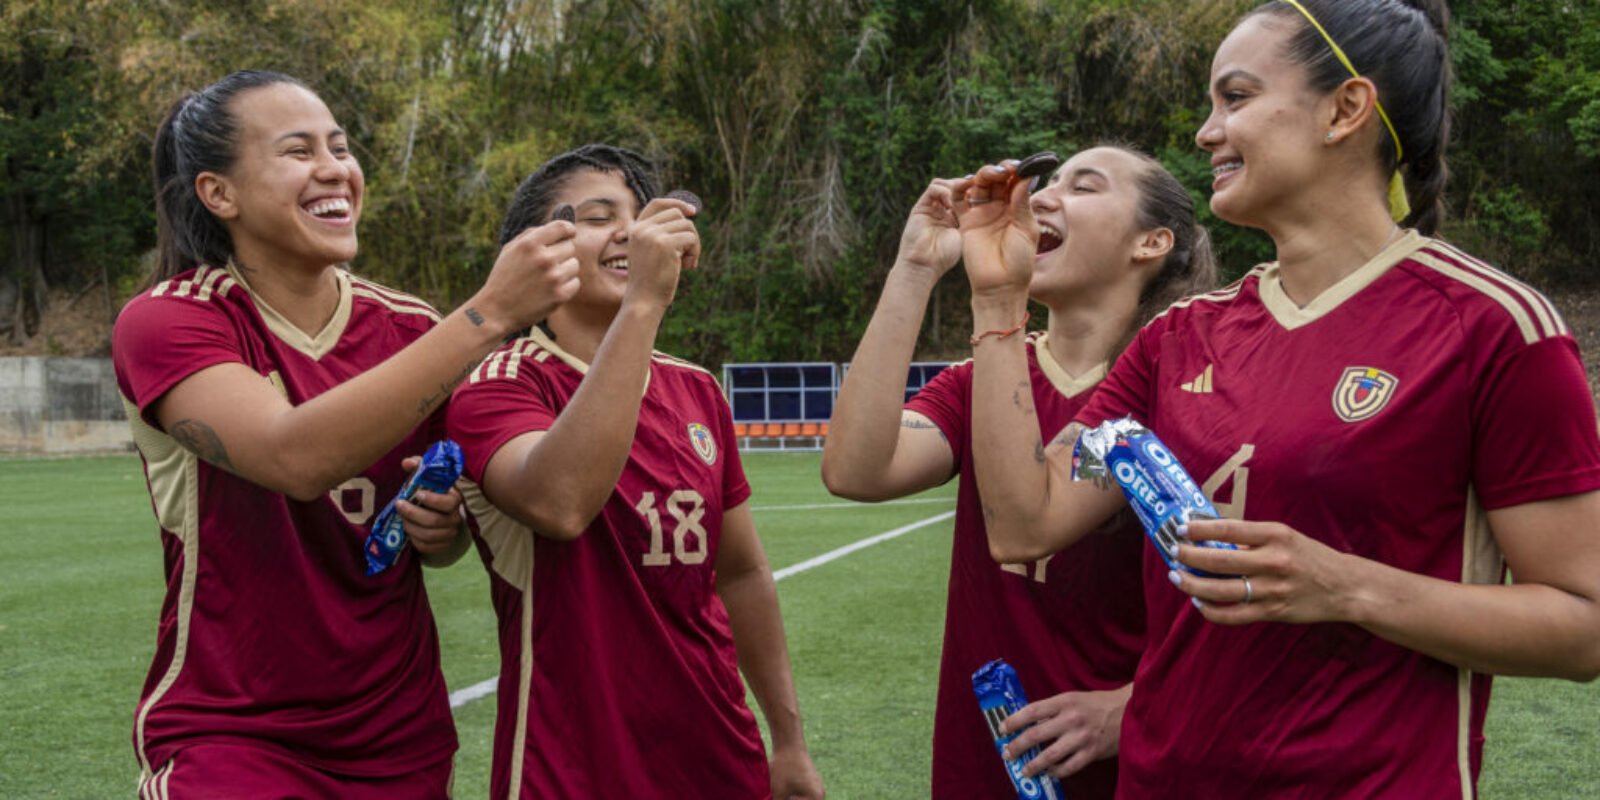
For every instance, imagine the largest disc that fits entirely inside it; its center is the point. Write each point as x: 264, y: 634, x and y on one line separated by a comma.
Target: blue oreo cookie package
x: 1159, y: 489
x: 1000, y: 695
x: 440, y: 468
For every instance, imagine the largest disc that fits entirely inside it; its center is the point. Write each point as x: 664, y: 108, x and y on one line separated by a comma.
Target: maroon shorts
x: 261, y: 771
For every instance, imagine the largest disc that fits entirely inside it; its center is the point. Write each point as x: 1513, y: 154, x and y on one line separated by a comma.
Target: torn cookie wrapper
x: 440, y: 468
x: 1000, y: 695
x: 1159, y: 489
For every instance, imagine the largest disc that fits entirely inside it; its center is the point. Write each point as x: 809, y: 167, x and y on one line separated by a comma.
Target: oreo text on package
x: 999, y: 696
x: 1159, y: 489
x: 440, y: 468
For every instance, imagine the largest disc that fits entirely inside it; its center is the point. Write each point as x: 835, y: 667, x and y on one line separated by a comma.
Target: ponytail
x: 1403, y: 48
x: 1190, y: 267
x: 199, y: 134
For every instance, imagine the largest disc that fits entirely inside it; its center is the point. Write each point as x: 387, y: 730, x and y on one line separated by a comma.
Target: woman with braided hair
x: 1385, y: 422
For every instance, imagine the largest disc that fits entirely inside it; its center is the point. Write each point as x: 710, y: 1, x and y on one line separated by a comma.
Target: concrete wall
x: 60, y: 405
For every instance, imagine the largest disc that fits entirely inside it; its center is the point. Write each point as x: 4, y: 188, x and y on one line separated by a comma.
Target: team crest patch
x: 1362, y: 392
x: 704, y: 445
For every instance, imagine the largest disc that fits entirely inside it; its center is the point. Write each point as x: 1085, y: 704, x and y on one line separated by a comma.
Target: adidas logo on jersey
x: 1201, y: 383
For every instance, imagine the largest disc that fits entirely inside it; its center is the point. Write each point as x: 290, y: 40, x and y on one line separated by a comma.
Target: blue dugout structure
x: 786, y: 405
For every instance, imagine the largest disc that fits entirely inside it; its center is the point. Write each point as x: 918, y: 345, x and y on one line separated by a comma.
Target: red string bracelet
x: 1002, y: 334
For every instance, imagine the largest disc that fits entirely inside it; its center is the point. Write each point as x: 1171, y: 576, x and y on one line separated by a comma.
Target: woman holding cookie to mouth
x: 1386, y: 422
x: 1118, y: 242
x: 611, y: 510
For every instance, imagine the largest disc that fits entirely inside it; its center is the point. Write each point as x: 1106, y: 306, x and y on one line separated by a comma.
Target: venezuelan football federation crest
x: 1362, y: 392
x: 704, y: 445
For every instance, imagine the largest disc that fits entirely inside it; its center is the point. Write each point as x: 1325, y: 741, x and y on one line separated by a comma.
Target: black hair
x: 1189, y: 267
x: 532, y: 203
x: 1403, y: 48
x: 199, y: 134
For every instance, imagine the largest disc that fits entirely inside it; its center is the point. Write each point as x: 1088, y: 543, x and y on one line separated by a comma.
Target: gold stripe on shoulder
x: 1549, y: 317
x: 1531, y: 331
x: 393, y: 305
x: 393, y: 294
x: 200, y: 286
x: 1223, y: 295
x: 657, y: 355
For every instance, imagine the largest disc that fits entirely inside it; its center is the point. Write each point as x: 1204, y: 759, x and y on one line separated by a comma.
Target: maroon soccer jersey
x: 1381, y: 419
x: 618, y: 676
x: 270, y: 629
x: 1070, y: 621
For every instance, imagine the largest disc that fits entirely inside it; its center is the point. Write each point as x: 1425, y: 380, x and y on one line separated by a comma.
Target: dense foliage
x: 808, y: 126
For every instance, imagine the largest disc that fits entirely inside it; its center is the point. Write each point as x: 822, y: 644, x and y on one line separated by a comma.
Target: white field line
x: 855, y: 505
x: 461, y: 697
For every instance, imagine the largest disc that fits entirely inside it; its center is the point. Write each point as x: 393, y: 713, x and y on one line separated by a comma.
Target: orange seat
x: 791, y: 429
x: 808, y: 429
x: 758, y: 429
x: 824, y: 429
x: 740, y: 429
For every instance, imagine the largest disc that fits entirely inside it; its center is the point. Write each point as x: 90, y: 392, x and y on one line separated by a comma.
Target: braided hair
x: 532, y: 203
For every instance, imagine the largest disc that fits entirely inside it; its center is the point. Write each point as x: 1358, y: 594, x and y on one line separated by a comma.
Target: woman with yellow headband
x: 1385, y: 422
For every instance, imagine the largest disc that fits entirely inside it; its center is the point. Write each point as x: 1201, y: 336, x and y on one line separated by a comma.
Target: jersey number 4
x: 688, y: 535
x: 1235, y: 469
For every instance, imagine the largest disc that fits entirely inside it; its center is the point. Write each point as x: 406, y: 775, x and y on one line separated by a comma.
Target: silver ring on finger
x: 1248, y: 593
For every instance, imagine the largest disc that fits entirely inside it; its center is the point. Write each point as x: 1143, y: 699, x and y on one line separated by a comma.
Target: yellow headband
x: 1399, y: 205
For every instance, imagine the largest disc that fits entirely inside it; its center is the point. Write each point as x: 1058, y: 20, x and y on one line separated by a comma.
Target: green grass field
x: 81, y: 585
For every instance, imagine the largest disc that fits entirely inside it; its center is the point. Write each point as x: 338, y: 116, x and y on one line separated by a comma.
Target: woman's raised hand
x: 932, y: 236
x: 999, y: 236
x: 535, y: 272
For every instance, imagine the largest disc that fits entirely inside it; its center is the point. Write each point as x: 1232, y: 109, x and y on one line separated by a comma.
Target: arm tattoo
x: 474, y: 317
x: 1022, y: 397
x: 922, y: 425
x: 444, y: 390
x: 198, y: 438
x: 1038, y: 451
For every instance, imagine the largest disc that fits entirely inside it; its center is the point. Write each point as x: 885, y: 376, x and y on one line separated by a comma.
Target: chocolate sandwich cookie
x: 1038, y: 167
x: 686, y: 196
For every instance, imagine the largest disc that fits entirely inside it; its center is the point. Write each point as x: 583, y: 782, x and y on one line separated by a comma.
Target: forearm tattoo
x: 444, y: 390
x: 474, y: 317
x: 198, y: 438
x: 1022, y: 397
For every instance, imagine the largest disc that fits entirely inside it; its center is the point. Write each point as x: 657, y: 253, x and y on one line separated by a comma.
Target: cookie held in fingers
x: 686, y: 196
x: 1037, y: 168
x: 564, y: 213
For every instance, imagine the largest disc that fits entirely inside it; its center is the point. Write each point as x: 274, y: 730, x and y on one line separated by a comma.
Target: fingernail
x: 1172, y: 575
x: 1183, y: 530
x: 970, y: 176
x: 1197, y: 603
x: 1012, y: 162
x: 1005, y: 753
